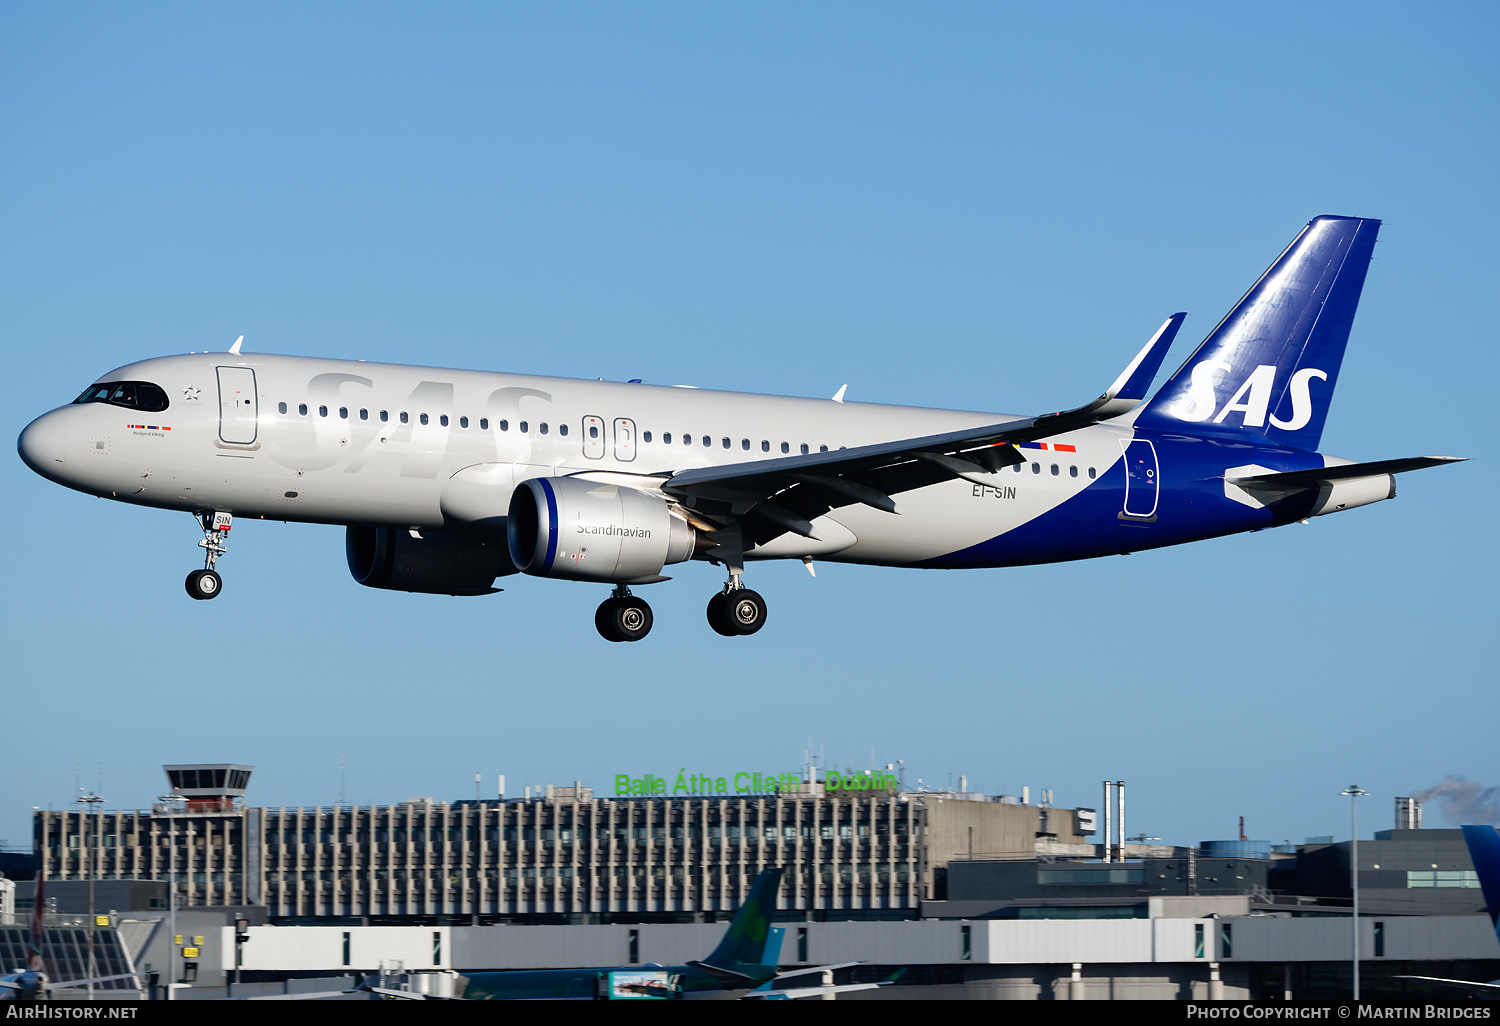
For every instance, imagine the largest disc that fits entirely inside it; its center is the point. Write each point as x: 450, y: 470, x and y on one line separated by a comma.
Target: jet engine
x: 581, y: 531
x: 429, y: 562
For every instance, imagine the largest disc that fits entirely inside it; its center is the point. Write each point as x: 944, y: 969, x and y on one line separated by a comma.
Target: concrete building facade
x: 568, y: 856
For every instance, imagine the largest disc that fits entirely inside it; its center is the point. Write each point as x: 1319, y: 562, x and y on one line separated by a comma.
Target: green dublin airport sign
x: 747, y: 783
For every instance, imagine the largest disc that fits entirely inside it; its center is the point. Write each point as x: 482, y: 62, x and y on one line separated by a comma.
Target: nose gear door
x: 238, y: 405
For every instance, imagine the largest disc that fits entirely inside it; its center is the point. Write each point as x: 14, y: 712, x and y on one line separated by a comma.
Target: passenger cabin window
x: 343, y: 413
x: 745, y: 444
x: 132, y: 395
x: 543, y: 427
x: 645, y: 436
x: 666, y: 439
x: 322, y: 411
x: 443, y: 420
x: 484, y: 423
x: 562, y: 429
x: 707, y: 442
x: 404, y: 418
x: 384, y: 416
x: 364, y: 414
x: 463, y: 422
x: 523, y: 427
x: 726, y: 443
x: 505, y: 425
x: 302, y: 409
x: 281, y: 407
x: 422, y: 418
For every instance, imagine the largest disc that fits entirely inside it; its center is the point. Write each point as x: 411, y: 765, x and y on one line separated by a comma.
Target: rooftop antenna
x: 235, y: 349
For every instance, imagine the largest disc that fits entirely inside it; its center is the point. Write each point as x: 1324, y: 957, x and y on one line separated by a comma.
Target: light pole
x: 169, y: 802
x: 91, y: 802
x: 1354, y: 794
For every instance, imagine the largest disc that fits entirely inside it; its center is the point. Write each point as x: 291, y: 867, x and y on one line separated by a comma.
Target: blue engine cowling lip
x: 1191, y: 506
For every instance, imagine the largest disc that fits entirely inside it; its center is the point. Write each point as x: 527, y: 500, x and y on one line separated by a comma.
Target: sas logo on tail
x: 1253, y: 399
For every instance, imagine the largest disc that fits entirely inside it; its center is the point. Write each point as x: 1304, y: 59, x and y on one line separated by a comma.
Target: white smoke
x: 1464, y: 801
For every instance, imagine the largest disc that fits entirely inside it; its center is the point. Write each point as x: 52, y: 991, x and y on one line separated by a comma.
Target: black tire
x: 604, y: 620
x: 204, y: 584
x: 744, y: 611
x: 717, y: 618
x: 623, y: 619
x: 631, y: 619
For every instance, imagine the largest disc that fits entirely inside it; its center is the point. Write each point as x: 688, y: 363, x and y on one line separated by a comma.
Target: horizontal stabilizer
x: 1296, y: 480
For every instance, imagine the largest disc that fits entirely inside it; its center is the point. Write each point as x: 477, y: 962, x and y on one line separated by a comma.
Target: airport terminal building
x: 564, y: 857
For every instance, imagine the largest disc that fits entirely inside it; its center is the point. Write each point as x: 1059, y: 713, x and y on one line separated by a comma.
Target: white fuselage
x: 354, y: 443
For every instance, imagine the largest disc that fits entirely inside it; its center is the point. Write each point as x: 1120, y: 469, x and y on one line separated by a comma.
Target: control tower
x: 209, y: 786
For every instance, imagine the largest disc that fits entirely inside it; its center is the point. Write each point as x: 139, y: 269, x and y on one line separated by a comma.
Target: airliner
x: 742, y: 966
x: 447, y: 480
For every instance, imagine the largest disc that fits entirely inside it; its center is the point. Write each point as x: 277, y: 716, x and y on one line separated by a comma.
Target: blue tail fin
x: 1484, y: 852
x: 746, y: 942
x: 1269, y: 368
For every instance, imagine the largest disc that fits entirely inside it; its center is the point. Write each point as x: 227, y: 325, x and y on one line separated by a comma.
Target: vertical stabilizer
x: 745, y: 942
x: 1269, y: 368
x: 1484, y: 852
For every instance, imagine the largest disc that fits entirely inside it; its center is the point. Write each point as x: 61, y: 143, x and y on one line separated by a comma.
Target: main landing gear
x: 736, y: 610
x: 623, y: 617
x: 206, y: 583
x: 733, y: 612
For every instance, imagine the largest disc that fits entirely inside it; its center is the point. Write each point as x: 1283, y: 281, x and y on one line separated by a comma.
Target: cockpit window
x: 133, y: 395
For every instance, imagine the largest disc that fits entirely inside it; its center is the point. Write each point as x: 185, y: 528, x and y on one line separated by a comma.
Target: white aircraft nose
x: 43, y: 443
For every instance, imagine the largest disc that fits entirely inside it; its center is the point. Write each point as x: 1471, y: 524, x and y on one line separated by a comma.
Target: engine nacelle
x: 432, y: 563
x: 581, y: 531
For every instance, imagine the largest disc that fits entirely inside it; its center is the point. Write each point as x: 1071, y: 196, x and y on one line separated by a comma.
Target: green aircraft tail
x: 749, y: 938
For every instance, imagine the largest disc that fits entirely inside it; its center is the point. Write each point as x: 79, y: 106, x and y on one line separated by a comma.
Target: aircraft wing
x: 793, y: 993
x: 1490, y: 991
x: 780, y: 495
x: 67, y: 984
x: 766, y: 993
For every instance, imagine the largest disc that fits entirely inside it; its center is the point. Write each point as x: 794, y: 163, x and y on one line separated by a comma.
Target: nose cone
x: 43, y: 444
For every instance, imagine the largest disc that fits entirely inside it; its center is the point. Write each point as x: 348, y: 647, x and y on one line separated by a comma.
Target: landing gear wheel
x: 717, y: 619
x: 745, y: 611
x: 204, y: 584
x: 741, y: 611
x: 623, y: 619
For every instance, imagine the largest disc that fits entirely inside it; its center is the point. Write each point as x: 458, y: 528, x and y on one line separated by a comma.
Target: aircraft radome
x: 447, y: 480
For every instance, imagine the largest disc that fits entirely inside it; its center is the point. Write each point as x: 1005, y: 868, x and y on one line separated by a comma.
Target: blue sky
x: 979, y: 206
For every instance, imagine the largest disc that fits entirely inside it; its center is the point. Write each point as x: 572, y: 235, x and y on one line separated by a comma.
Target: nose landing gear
x: 623, y: 617
x: 206, y: 583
